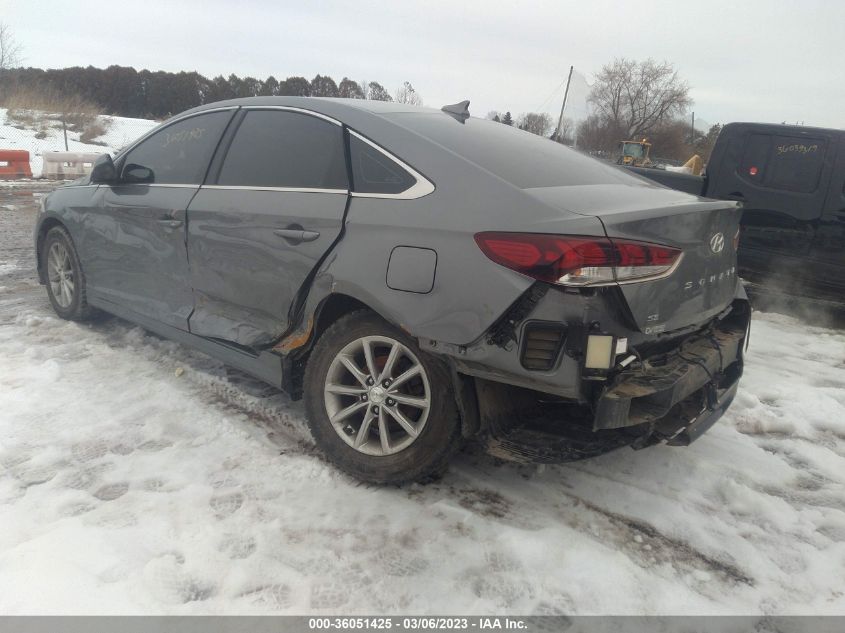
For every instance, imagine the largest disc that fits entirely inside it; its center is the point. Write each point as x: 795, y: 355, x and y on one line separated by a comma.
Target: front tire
x: 381, y: 409
x: 65, y: 281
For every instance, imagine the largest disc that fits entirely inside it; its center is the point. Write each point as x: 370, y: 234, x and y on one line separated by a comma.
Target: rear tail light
x: 577, y: 260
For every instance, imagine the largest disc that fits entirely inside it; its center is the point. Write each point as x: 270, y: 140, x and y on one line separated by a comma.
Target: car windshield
x: 523, y: 159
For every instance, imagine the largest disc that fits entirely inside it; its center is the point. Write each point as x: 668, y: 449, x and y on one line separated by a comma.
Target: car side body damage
x: 255, y: 273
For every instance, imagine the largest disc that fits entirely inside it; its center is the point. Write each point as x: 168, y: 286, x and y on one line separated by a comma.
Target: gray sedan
x: 418, y: 276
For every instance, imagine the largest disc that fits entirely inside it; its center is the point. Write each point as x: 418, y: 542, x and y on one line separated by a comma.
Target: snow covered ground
x: 138, y: 476
x: 120, y: 131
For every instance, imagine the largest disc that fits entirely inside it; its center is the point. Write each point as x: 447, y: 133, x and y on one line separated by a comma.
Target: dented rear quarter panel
x: 469, y: 292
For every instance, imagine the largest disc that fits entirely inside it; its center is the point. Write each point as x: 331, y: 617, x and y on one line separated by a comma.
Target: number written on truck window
x: 783, y: 162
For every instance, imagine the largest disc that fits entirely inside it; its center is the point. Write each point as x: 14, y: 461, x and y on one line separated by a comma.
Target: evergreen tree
x: 295, y: 87
x: 507, y: 119
x: 323, y: 86
x: 124, y: 91
x: 349, y: 89
x: 377, y: 92
x: 269, y: 87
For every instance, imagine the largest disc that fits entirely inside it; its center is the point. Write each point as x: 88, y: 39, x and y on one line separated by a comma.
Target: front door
x: 262, y: 225
x: 135, y: 231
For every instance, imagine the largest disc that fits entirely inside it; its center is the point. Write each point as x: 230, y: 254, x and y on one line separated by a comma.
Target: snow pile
x: 120, y: 131
x: 682, y: 169
x: 138, y: 476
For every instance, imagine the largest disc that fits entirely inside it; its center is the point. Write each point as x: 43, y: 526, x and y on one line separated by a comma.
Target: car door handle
x: 297, y: 235
x: 171, y: 223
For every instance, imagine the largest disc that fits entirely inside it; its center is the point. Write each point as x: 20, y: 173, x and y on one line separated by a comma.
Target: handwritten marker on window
x: 753, y: 171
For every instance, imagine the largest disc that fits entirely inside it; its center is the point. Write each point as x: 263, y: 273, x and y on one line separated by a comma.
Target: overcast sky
x: 754, y: 60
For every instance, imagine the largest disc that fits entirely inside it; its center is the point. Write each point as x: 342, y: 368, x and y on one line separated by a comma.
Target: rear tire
x: 64, y: 279
x: 378, y: 407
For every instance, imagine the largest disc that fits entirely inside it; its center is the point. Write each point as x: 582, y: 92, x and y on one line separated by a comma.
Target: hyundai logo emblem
x: 717, y: 243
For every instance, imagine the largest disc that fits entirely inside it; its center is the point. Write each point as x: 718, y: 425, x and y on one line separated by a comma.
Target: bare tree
x: 538, y: 123
x: 565, y: 133
x: 634, y: 97
x: 407, y: 94
x: 10, y: 50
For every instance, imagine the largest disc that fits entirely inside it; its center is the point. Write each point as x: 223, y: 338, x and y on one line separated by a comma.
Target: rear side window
x: 276, y: 148
x: 756, y: 157
x: 374, y: 172
x: 796, y: 163
x: 784, y: 162
x: 179, y: 153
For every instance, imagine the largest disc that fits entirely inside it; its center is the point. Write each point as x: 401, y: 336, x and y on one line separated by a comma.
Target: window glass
x: 796, y: 163
x: 521, y: 158
x: 177, y: 154
x: 755, y: 158
x: 276, y: 148
x: 373, y: 172
x: 783, y: 162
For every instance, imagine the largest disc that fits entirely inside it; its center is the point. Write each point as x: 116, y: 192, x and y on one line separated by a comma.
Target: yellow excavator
x: 636, y: 154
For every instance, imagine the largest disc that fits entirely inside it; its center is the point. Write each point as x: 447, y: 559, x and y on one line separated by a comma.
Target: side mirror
x: 103, y: 170
x: 137, y: 174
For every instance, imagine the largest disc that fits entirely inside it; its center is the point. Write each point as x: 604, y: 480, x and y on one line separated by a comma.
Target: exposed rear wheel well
x: 331, y: 309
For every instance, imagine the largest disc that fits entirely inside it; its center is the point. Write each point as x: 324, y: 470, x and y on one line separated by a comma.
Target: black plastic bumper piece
x: 696, y: 377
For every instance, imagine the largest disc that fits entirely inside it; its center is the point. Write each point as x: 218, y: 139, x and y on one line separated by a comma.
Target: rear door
x: 134, y: 237
x: 273, y: 206
x: 782, y: 180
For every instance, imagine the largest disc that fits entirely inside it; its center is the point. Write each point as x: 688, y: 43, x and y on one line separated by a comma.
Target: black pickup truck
x: 791, y: 181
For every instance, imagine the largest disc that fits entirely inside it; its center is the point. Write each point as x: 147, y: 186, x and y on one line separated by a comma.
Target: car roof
x: 779, y: 128
x: 321, y: 104
x: 520, y: 158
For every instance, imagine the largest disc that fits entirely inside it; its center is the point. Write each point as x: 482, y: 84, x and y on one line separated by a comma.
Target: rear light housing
x: 575, y: 260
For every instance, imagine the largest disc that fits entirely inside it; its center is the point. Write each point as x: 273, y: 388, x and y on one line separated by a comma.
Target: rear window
x: 523, y: 159
x: 784, y: 162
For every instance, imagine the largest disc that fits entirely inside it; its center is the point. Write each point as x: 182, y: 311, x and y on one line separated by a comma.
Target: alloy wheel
x: 60, y: 274
x: 377, y: 395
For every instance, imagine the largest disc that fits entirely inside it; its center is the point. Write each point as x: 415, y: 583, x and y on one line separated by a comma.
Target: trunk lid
x: 703, y: 282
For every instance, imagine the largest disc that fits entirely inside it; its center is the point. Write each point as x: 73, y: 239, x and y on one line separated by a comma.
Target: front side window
x: 283, y: 149
x: 177, y: 154
x: 375, y: 172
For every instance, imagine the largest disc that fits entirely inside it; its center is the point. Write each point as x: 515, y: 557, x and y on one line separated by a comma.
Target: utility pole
x: 565, y: 94
x: 692, y: 130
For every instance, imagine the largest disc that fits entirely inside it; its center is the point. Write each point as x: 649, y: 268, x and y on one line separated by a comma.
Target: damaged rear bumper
x: 670, y: 397
x: 700, y: 374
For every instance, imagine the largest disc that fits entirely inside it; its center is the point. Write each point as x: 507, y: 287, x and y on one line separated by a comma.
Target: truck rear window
x: 784, y: 162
